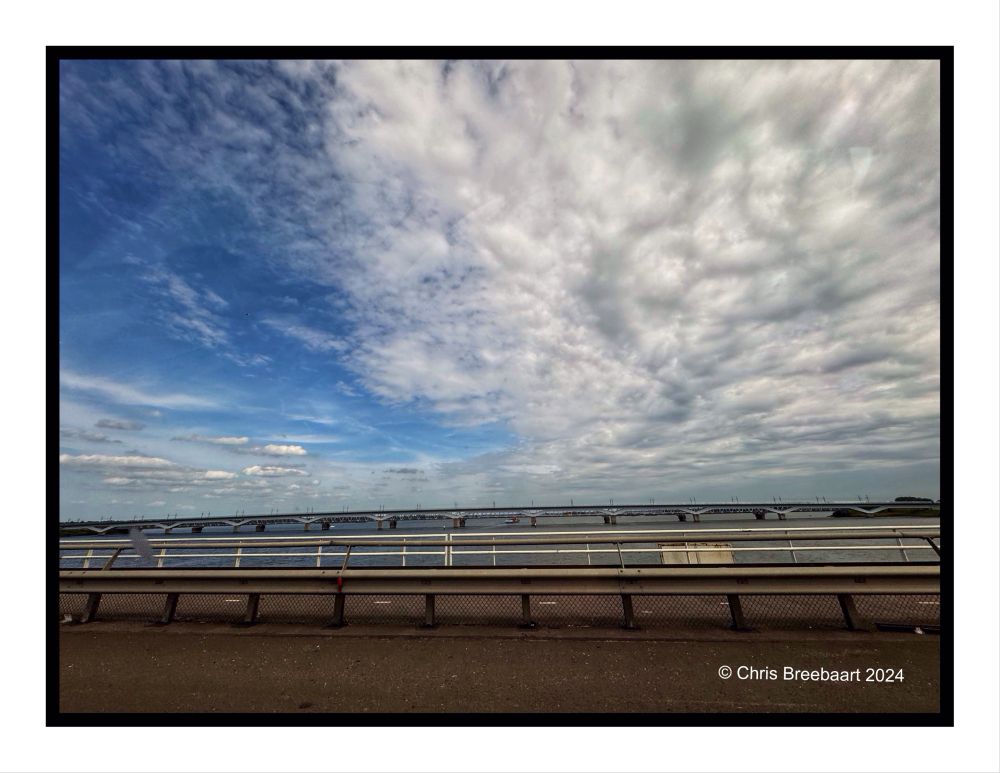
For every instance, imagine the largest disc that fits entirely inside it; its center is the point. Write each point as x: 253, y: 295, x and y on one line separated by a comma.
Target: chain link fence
x: 761, y: 612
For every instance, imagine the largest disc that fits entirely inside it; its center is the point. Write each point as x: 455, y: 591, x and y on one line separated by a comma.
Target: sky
x: 307, y: 286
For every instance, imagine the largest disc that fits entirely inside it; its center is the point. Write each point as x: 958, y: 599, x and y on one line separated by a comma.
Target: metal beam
x: 653, y: 580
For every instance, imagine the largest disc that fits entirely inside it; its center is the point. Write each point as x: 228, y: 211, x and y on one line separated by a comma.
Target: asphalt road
x: 192, y: 668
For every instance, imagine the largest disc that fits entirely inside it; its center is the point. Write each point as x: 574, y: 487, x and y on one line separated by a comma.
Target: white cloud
x: 274, y: 449
x: 121, y: 424
x: 100, y: 460
x: 218, y: 440
x: 313, y: 339
x: 129, y: 394
x: 271, y: 472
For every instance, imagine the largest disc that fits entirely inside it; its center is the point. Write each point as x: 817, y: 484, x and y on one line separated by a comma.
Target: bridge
x: 459, y: 516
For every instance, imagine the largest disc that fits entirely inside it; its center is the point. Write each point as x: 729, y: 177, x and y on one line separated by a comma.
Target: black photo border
x: 943, y: 54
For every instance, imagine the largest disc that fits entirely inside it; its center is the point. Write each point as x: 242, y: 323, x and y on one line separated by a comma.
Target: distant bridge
x: 458, y: 516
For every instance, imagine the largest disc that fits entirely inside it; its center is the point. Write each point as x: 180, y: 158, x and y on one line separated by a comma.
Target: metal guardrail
x: 845, y: 581
x: 664, y: 541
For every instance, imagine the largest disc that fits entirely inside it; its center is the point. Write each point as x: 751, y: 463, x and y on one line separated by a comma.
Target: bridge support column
x: 681, y: 518
x: 852, y: 617
x: 613, y: 520
x: 260, y: 527
x: 759, y: 515
x: 534, y: 521
x: 305, y: 526
x: 196, y: 529
x: 236, y: 527
x: 378, y: 525
x: 325, y: 526
x: 168, y: 529
x: 781, y: 516
x: 392, y: 525
x: 607, y: 518
x: 526, y: 621
x: 169, y: 608
x: 736, y: 613
x: 428, y: 610
x: 629, y: 613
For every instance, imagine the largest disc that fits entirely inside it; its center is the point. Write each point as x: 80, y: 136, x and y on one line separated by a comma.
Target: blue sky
x: 315, y: 285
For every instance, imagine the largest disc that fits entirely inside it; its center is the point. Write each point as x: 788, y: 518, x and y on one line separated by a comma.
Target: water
x: 660, y: 527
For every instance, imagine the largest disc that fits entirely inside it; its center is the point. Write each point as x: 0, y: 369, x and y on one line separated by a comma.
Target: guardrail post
x: 629, y: 612
x: 169, y: 609
x: 338, y: 611
x: 736, y: 612
x: 253, y: 601
x: 429, y: 610
x: 90, y: 611
x: 852, y: 617
x: 526, y: 621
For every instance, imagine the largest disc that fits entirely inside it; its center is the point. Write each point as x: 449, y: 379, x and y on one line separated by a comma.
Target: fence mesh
x: 778, y: 612
x: 478, y: 610
x: 681, y: 611
x: 900, y: 610
x: 650, y: 611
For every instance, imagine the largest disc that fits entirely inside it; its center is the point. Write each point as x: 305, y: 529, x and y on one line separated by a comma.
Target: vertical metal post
x: 899, y: 541
x: 736, y: 613
x: 791, y: 549
x: 494, y: 541
x: 629, y: 612
x: 239, y: 553
x: 526, y: 621
x: 319, y: 556
x: 429, y: 610
x: 169, y: 608
x: 159, y: 557
x: 852, y: 617
x: 86, y: 560
x: 90, y: 611
x: 404, y: 553
x: 588, y: 554
x: 338, y: 611
x: 253, y: 602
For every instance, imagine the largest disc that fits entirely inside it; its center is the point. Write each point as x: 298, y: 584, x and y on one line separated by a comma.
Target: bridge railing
x: 660, y: 546
x: 798, y: 593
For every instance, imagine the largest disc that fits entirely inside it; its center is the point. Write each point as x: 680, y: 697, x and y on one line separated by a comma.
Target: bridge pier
x: 306, y: 525
x: 325, y: 526
x: 759, y: 515
x: 236, y: 527
x: 393, y: 524
x: 681, y: 518
x: 606, y: 518
x: 781, y: 516
x: 196, y: 529
x: 378, y: 525
x: 534, y: 521
x: 259, y: 527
